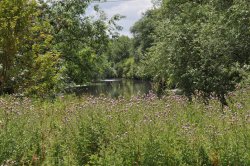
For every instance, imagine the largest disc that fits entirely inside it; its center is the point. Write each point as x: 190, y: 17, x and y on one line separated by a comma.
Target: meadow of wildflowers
x: 143, y: 130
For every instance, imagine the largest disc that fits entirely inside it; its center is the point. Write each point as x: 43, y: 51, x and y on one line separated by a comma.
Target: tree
x: 80, y: 39
x: 120, y: 57
x: 15, y: 23
x: 28, y: 61
x: 202, y: 46
x: 143, y: 33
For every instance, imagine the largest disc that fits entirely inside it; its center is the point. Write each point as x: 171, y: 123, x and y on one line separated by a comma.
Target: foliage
x: 80, y: 39
x: 45, y: 45
x: 120, y: 58
x: 15, y: 23
x: 30, y: 64
x: 142, y: 130
x: 143, y: 32
x: 48, y: 78
x: 201, y: 47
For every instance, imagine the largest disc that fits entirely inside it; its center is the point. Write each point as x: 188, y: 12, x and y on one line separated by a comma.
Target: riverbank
x: 138, y: 131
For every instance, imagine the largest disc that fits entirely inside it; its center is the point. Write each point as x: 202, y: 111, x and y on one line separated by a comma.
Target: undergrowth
x: 143, y: 130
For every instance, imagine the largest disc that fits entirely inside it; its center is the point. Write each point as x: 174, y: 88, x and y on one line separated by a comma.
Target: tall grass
x: 142, y: 130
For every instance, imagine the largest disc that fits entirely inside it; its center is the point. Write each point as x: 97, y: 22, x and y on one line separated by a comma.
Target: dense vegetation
x: 197, y: 46
x: 201, y: 47
x: 47, y: 45
x: 139, y: 131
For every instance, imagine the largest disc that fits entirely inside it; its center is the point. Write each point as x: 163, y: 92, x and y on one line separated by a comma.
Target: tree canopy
x: 47, y: 44
x: 201, y: 47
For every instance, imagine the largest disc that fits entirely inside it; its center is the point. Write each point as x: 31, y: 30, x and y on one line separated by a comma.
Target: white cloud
x: 132, y: 9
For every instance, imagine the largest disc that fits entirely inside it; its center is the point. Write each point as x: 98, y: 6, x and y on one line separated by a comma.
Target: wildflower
x: 239, y: 106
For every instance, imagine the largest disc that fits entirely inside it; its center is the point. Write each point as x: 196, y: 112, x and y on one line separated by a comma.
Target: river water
x: 115, y: 87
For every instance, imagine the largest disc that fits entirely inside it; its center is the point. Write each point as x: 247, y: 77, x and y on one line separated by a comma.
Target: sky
x: 132, y: 9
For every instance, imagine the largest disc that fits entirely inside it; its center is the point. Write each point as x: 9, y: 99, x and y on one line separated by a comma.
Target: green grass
x: 136, y: 131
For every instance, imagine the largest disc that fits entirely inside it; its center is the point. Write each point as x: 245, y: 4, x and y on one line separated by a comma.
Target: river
x: 115, y: 87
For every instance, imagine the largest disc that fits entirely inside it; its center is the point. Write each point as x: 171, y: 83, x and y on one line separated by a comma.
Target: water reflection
x: 115, y: 88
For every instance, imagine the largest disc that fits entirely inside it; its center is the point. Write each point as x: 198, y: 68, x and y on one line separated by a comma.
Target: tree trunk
x: 223, y: 101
